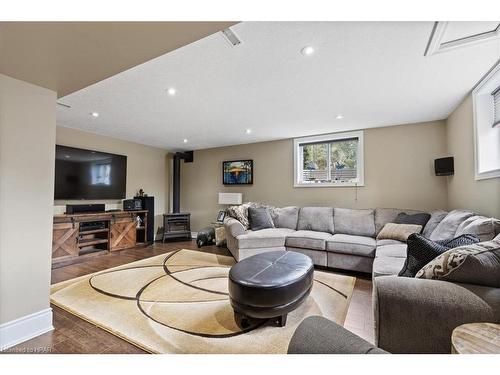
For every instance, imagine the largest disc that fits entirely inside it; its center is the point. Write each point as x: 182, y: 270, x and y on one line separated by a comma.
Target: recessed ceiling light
x: 185, y: 140
x: 307, y: 50
x: 171, y: 91
x: 94, y: 114
x: 339, y: 117
x: 248, y: 131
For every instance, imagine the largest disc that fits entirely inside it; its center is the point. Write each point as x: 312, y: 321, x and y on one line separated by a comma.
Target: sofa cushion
x: 388, y: 215
x: 271, y: 237
x: 481, y: 226
x: 436, y: 217
x: 259, y: 218
x: 349, y: 244
x: 399, y: 232
x: 471, y: 264
x: 355, y: 222
x: 286, y: 217
x: 385, y: 242
x: 319, y: 257
x: 449, y: 225
x: 384, y: 266
x: 394, y: 250
x: 307, y: 239
x: 319, y: 219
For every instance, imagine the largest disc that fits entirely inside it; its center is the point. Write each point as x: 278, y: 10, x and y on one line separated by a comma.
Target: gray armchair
x: 418, y: 315
x: 318, y: 335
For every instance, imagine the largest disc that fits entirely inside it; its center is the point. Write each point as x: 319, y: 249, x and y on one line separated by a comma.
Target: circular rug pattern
x: 179, y: 303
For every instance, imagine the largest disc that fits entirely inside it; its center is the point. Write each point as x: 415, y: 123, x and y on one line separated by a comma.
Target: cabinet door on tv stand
x: 123, y: 234
x: 65, y: 240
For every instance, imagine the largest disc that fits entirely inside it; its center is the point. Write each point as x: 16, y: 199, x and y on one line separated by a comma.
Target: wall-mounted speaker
x: 444, y: 166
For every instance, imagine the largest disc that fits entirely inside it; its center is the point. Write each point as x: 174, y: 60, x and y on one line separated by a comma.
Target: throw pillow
x: 240, y: 212
x: 259, y: 218
x: 472, y: 264
x: 421, y: 251
x: 462, y: 240
x: 418, y: 219
x: 400, y: 232
x: 388, y: 215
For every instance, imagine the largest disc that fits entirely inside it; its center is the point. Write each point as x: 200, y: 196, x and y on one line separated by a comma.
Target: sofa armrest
x: 234, y: 227
x: 318, y: 335
x: 419, y: 315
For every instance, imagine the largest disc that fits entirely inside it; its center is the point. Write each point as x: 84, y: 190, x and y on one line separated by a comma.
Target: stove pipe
x: 178, y: 156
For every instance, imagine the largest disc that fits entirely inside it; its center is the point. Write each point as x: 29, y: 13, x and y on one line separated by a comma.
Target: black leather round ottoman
x: 270, y: 285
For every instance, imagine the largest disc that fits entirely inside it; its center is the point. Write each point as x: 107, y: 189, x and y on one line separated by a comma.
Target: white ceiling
x: 372, y: 73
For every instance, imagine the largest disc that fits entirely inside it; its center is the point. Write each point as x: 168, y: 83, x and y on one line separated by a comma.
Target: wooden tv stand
x: 81, y: 235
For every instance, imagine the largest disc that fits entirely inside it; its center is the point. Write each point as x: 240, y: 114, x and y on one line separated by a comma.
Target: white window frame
x: 483, y: 109
x: 297, y: 159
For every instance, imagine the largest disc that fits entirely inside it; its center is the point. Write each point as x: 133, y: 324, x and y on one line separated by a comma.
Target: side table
x: 476, y: 338
x: 220, y: 233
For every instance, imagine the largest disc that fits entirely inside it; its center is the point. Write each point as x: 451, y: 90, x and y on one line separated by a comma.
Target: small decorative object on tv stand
x: 138, y: 221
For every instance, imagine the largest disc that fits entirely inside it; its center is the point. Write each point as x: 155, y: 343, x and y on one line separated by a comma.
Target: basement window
x: 496, y: 107
x: 329, y: 160
x: 486, y: 110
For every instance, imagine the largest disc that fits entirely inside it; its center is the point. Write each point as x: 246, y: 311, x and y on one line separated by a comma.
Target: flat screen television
x: 88, y: 174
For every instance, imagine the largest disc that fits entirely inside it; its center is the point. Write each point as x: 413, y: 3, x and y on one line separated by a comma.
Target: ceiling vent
x: 231, y: 37
x: 63, y: 105
x: 446, y: 36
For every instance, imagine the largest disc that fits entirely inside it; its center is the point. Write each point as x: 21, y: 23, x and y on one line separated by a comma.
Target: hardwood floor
x: 74, y: 335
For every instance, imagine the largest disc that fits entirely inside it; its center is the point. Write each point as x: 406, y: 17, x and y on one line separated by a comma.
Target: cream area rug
x: 178, y: 303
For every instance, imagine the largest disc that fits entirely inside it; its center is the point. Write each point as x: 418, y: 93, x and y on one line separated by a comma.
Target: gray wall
x: 399, y: 172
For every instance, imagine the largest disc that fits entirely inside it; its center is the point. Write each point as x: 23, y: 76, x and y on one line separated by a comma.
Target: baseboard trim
x: 25, y: 328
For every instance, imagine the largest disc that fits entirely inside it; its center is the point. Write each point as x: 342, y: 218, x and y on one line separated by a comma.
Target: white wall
x: 27, y: 141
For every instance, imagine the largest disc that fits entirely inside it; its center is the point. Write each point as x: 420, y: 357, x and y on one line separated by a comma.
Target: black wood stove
x: 177, y: 225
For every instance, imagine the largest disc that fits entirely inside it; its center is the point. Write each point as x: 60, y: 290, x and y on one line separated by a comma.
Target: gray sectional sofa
x: 411, y: 315
x: 333, y: 237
